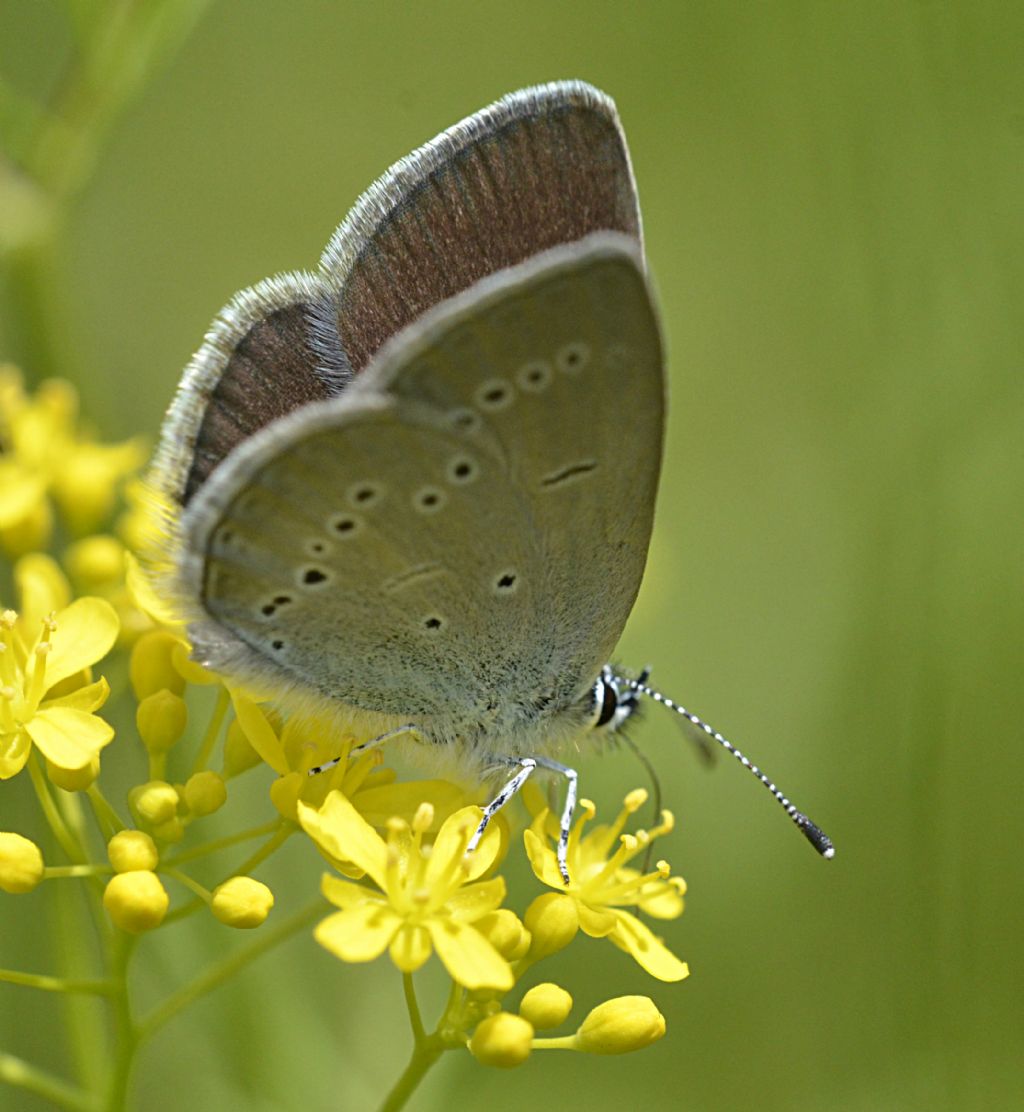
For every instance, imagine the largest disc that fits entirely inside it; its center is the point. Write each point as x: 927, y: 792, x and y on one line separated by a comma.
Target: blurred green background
x: 833, y: 209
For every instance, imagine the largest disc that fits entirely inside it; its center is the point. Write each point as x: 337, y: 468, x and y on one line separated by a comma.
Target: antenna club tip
x: 816, y: 836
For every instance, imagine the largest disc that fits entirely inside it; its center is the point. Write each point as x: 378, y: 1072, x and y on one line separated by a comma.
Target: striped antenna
x: 814, y: 834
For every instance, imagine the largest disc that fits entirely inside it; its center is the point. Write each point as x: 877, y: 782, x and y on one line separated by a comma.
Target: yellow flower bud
x: 154, y: 803
x: 173, y: 830
x: 242, y: 902
x: 132, y: 850
x: 503, y: 1040
x: 21, y: 863
x: 95, y: 562
x: 136, y: 901
x: 620, y: 1025
x: 546, y: 1005
x: 205, y: 793
x: 161, y: 719
x: 552, y: 920
x: 284, y: 794
x: 152, y: 667
x: 74, y: 779
x: 239, y: 755
x: 505, y: 933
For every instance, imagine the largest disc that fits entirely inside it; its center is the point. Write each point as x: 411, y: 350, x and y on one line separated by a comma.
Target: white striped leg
x: 371, y: 744
x: 526, y: 768
x: 568, y: 810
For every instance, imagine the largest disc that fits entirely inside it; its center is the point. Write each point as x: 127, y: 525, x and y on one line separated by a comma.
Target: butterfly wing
x: 542, y: 166
x: 467, y: 525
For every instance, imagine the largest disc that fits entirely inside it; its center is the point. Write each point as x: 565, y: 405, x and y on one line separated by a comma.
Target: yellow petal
x: 450, y: 843
x: 663, y: 901
x: 471, y: 960
x: 474, y: 900
x: 410, y: 948
x: 378, y: 804
x: 69, y: 738
x: 42, y: 588
x: 344, y: 833
x: 86, y: 631
x: 345, y: 894
x: 596, y: 921
x: 542, y: 860
x: 649, y: 952
x: 259, y: 732
x: 359, y: 933
x: 20, y: 490
x: 145, y: 595
x: 89, y: 697
x: 14, y: 750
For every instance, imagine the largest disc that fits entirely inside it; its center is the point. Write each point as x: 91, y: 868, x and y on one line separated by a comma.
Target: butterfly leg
x: 568, y: 810
x: 526, y: 767
x: 371, y: 744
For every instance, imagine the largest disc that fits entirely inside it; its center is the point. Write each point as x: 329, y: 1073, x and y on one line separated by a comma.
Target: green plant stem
x: 126, y: 1035
x: 22, y: 1075
x: 424, y: 1055
x: 212, y: 731
x: 52, y: 815
x: 419, y: 1032
x: 192, y: 885
x: 107, y: 818
x: 222, y: 843
x: 226, y: 969
x: 46, y: 983
x: 556, y: 1042
x: 269, y: 847
x: 52, y: 872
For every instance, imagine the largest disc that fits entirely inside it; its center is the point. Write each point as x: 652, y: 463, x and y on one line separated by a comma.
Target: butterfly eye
x: 605, y: 702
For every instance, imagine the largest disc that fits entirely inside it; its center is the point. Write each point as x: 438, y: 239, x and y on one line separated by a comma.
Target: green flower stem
x: 419, y: 1032
x: 226, y: 969
x: 424, y: 1055
x: 222, y: 843
x: 58, y: 984
x: 269, y: 847
x: 108, y: 819
x: 51, y: 813
x: 19, y: 1073
x: 212, y: 731
x: 76, y: 918
x: 426, y: 1048
x: 188, y: 882
x: 53, y: 871
x: 126, y: 1034
x: 556, y: 1042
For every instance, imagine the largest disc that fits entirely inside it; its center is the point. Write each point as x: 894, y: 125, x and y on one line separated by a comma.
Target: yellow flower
x: 45, y: 694
x: 602, y: 886
x: 428, y: 899
x: 303, y: 742
x: 46, y: 453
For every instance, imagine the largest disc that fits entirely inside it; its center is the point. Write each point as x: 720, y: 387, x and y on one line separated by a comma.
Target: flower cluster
x: 404, y: 883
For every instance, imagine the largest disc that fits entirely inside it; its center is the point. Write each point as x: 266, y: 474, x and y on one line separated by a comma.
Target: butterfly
x: 417, y: 484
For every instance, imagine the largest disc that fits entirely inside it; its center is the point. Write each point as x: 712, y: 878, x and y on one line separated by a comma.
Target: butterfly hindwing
x: 470, y: 517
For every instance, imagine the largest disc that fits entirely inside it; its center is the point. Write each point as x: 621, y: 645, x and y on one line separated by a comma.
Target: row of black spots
x: 505, y: 583
x: 532, y: 377
x: 269, y: 609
